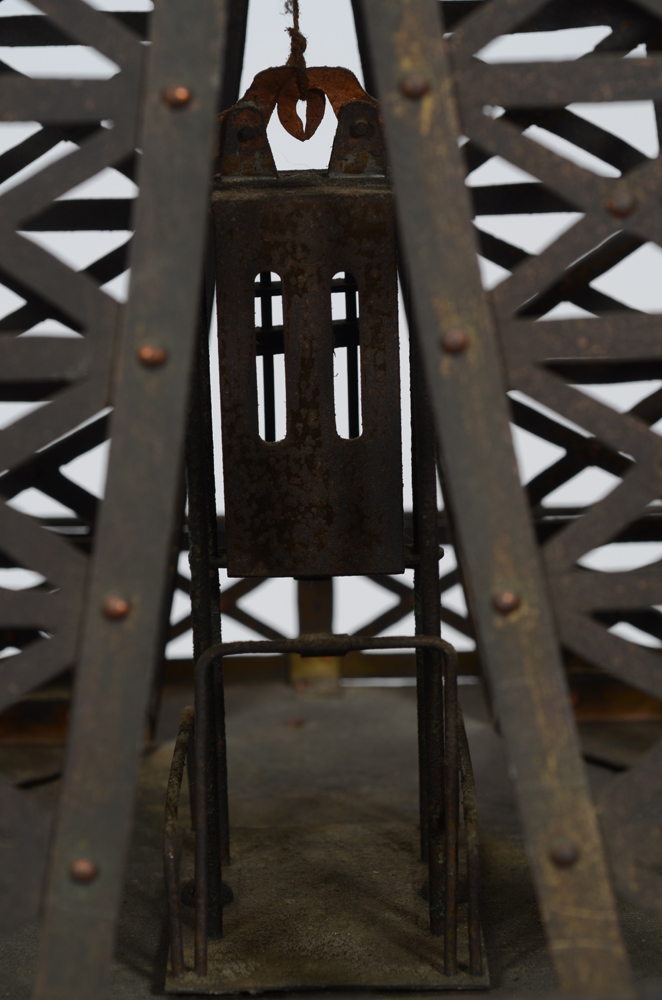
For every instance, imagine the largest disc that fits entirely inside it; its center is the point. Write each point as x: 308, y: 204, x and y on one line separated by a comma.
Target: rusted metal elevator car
x: 313, y: 505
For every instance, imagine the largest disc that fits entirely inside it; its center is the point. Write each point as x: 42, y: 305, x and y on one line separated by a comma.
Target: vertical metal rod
x: 201, y: 831
x: 422, y: 747
x: 208, y: 793
x: 435, y: 791
x: 205, y: 614
x: 208, y: 898
x: 451, y: 811
x: 315, y: 605
x: 268, y: 359
x: 234, y: 53
x: 211, y: 528
x: 426, y: 545
x: 353, y: 373
x: 470, y: 810
x: 364, y: 49
x: 170, y: 852
x: 221, y: 774
x: 158, y: 682
x: 190, y: 772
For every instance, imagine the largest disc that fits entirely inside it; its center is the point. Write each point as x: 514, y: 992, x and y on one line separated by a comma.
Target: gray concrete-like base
x: 334, y: 906
x: 299, y: 761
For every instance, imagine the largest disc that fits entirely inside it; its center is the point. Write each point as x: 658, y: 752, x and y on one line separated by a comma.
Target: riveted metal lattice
x: 61, y: 349
x: 70, y: 372
x: 545, y: 361
x: 550, y: 361
x: 471, y: 355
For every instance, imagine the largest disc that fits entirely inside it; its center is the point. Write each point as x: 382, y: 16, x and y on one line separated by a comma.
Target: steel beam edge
x: 140, y: 510
x: 518, y: 644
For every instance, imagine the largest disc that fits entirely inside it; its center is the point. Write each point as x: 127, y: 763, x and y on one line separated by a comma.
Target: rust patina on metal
x: 312, y: 504
x: 223, y: 959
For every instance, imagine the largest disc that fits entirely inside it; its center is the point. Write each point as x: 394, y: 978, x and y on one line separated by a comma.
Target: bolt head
x: 83, y: 870
x: 359, y: 128
x: 506, y: 602
x: 115, y: 607
x: 415, y: 85
x: 246, y: 133
x: 622, y: 206
x: 177, y: 97
x: 454, y: 341
x: 151, y: 356
x: 563, y: 852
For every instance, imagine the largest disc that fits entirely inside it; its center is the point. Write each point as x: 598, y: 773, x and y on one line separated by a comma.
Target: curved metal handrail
x: 457, y: 770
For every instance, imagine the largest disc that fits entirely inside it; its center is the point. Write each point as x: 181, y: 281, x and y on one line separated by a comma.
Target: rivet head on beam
x: 177, y: 97
x: 506, y: 602
x: 152, y: 356
x: 621, y: 206
x: 115, y: 607
x: 83, y: 870
x: 246, y: 133
x: 359, y: 128
x: 415, y: 85
x: 454, y: 341
x: 563, y: 852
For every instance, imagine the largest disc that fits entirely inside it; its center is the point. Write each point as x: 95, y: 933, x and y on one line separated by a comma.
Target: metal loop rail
x: 443, y: 810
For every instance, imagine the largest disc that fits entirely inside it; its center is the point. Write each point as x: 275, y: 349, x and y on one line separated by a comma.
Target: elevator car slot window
x: 270, y: 357
x: 346, y: 355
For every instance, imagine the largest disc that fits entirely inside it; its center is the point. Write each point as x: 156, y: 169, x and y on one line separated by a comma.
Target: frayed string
x: 297, y: 48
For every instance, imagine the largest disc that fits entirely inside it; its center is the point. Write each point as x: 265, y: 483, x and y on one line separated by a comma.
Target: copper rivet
x: 177, y: 97
x: 83, y: 870
x: 622, y: 206
x: 506, y: 602
x: 454, y: 341
x: 115, y: 607
x: 415, y: 85
x: 152, y: 356
x: 359, y: 128
x: 563, y: 852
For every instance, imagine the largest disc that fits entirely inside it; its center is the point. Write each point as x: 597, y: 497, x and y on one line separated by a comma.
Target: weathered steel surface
x: 518, y: 644
x: 24, y: 834
x: 128, y: 583
x: 630, y: 814
x: 545, y: 360
x: 427, y: 603
x: 358, y: 147
x: 312, y: 504
x: 72, y: 375
x: 470, y: 811
x: 243, y: 141
x: 170, y: 840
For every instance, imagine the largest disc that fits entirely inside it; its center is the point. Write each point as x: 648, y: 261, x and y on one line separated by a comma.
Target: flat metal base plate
x: 325, y: 906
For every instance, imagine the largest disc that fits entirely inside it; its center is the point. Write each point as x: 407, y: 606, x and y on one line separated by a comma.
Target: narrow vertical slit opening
x: 270, y: 357
x: 346, y: 355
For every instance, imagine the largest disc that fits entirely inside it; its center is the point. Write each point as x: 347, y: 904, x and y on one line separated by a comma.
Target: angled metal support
x: 507, y: 593
x: 129, y: 576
